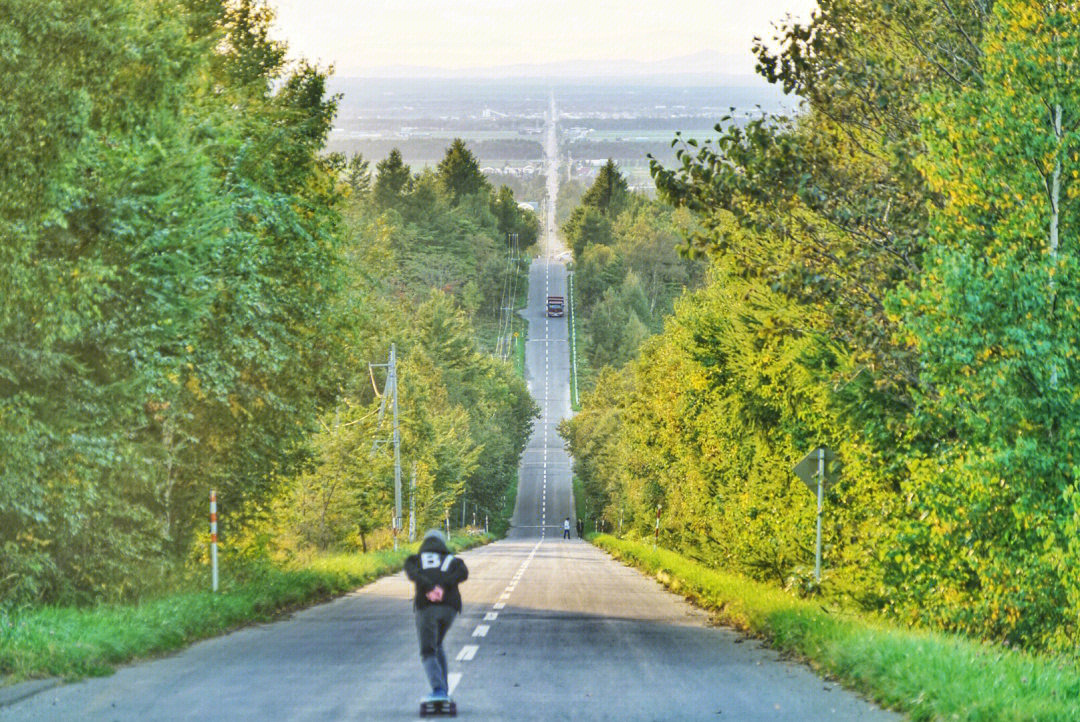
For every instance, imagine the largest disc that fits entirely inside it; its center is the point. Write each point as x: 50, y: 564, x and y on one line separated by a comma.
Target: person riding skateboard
x: 436, y: 573
x: 566, y: 528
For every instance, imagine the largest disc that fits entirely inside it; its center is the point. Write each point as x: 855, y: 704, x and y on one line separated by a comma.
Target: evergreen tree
x: 392, y: 179
x: 358, y: 174
x: 609, y: 193
x: 459, y: 173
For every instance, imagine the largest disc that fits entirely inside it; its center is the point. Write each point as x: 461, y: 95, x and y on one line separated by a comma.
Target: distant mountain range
x: 705, y: 68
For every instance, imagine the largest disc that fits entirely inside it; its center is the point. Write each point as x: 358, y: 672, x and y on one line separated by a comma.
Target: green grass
x: 79, y: 642
x: 518, y: 324
x: 575, y: 402
x: 519, y: 354
x: 928, y: 675
x: 500, y: 525
x: 579, y: 497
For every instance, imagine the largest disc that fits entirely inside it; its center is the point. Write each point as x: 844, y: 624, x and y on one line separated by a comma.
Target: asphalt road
x: 552, y: 629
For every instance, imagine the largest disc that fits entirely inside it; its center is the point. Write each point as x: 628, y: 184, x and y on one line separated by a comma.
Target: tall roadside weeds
x: 927, y: 675
x: 73, y: 642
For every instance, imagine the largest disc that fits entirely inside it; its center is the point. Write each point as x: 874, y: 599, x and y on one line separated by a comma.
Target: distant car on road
x: 555, y: 306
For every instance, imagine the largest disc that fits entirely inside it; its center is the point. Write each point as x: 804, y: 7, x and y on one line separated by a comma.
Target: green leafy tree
x: 588, y: 226
x: 996, y: 320
x: 169, y: 234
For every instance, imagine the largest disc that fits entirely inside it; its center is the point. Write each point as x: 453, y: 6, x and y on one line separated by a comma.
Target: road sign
x: 807, y: 469
x: 814, y: 472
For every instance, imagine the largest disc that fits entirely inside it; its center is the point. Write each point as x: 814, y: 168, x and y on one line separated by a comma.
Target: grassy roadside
x: 519, y: 352
x: 579, y: 497
x: 500, y: 523
x: 519, y: 324
x: 928, y: 675
x: 575, y: 402
x: 79, y: 642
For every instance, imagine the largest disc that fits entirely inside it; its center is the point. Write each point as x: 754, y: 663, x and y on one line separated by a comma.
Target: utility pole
x: 391, y: 389
x: 392, y: 382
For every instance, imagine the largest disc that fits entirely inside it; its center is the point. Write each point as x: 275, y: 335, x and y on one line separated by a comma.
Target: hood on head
x: 434, y: 541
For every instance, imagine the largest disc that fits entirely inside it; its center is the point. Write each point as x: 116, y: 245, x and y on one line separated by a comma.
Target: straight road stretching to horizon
x: 552, y: 629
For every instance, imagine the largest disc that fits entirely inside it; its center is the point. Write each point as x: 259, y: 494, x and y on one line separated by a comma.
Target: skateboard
x: 430, y: 708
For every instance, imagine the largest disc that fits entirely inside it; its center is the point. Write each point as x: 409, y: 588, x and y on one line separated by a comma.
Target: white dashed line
x: 481, y: 630
x: 467, y: 652
x: 498, y: 605
x: 491, y: 616
x: 452, y: 680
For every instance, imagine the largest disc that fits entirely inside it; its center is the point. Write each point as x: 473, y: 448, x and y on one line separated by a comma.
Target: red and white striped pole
x: 213, y: 538
x: 656, y: 539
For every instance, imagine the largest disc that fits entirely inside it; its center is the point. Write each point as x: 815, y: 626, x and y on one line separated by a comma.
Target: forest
x: 193, y: 291
x: 891, y: 274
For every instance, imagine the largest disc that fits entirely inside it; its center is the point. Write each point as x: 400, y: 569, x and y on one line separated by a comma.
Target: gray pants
x: 432, y: 624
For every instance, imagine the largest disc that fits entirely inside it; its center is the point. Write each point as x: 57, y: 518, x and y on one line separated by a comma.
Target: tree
x: 996, y: 323
x: 609, y: 193
x: 392, y: 179
x: 170, y: 277
x: 358, y: 174
x: 459, y: 173
x: 587, y: 226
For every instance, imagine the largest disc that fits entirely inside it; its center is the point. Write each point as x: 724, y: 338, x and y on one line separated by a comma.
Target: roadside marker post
x: 213, y: 540
x: 656, y: 539
x: 412, y: 505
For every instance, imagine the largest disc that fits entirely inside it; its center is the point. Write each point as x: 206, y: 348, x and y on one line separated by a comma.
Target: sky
x: 360, y: 37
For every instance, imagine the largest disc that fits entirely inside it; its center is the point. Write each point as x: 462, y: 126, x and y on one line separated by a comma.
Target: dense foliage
x: 192, y: 290
x: 627, y: 271
x: 892, y: 276
x: 427, y: 260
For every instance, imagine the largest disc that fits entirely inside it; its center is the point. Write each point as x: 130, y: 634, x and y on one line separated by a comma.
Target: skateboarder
x: 436, y: 573
x: 566, y: 528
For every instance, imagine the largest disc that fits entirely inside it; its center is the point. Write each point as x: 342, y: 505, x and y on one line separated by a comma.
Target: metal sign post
x: 820, y: 502
x: 811, y: 470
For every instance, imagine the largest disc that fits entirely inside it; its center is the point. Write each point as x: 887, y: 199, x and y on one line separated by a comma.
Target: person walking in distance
x: 580, y: 528
x: 436, y: 573
x: 566, y: 528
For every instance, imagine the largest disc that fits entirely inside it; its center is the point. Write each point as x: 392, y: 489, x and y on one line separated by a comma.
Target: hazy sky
x: 359, y: 35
